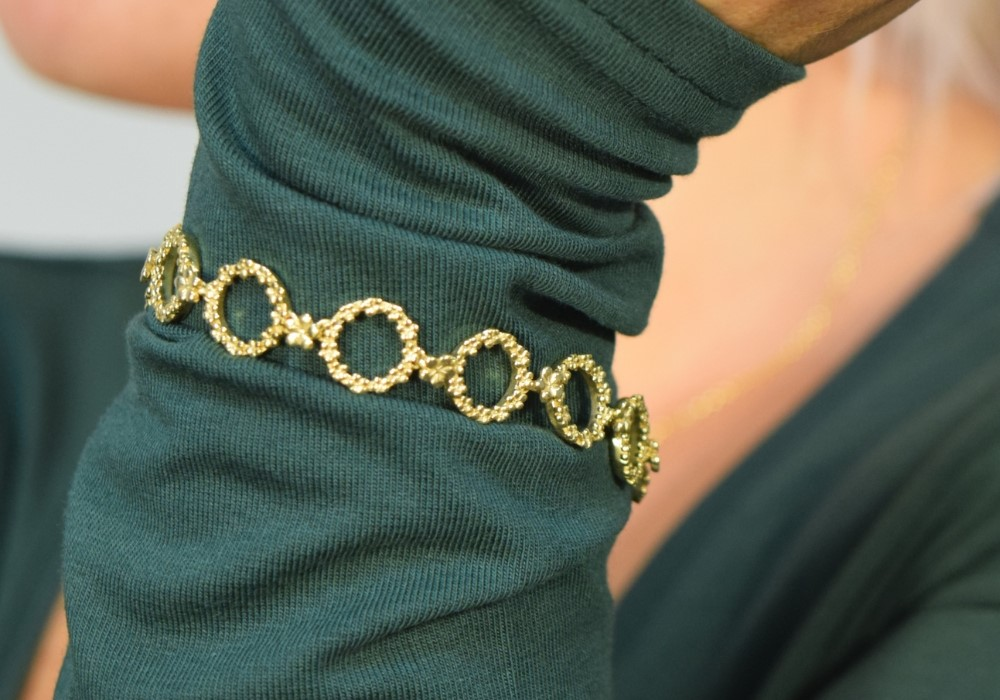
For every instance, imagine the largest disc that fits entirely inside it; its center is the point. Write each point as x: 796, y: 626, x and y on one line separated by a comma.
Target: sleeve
x: 939, y: 653
x: 936, y: 630
x: 912, y: 610
x: 248, y: 527
x: 924, y: 587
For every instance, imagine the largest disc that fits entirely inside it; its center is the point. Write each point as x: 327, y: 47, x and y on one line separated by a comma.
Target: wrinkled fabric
x: 249, y: 528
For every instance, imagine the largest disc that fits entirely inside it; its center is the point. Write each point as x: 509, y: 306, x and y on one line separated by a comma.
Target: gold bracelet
x: 175, y: 285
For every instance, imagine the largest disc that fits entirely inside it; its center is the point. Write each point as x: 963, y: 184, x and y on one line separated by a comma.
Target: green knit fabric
x: 247, y: 528
x: 62, y: 361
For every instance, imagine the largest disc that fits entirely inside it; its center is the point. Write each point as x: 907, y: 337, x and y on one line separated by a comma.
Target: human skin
x: 137, y: 51
x: 803, y: 32
x: 738, y: 280
x: 145, y: 51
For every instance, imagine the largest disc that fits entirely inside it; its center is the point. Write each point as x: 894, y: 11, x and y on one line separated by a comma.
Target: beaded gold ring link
x: 174, y: 285
x: 631, y: 445
x: 329, y: 347
x: 521, y: 381
x: 552, y: 386
x: 214, y: 295
x: 173, y: 266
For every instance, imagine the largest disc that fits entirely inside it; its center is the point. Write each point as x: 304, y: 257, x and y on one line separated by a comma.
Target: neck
x: 738, y: 278
x: 754, y: 267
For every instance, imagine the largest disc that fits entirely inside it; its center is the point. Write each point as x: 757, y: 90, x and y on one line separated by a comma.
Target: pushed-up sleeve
x: 250, y: 527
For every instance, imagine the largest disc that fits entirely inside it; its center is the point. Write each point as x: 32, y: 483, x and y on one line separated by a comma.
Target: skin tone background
x: 113, y: 47
x: 738, y: 279
x: 138, y: 51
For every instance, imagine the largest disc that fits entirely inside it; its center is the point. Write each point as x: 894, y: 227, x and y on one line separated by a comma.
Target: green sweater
x: 248, y: 528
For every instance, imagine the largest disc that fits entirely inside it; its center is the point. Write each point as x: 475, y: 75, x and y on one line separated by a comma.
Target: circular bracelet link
x: 174, y: 265
x: 329, y: 347
x: 214, y: 295
x: 521, y: 380
x: 552, y: 388
x: 634, y: 454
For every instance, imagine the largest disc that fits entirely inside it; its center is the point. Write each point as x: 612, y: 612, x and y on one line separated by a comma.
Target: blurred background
x: 68, y: 160
x: 87, y: 185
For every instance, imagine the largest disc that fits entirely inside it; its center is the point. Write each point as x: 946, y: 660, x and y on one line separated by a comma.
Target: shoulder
x: 912, y: 609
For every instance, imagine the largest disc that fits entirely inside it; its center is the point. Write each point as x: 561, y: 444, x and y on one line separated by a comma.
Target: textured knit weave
x: 62, y: 361
x: 248, y: 528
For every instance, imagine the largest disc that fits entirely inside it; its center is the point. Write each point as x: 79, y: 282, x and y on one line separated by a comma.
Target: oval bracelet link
x: 329, y: 347
x: 521, y: 380
x: 553, y: 393
x: 174, y: 285
x: 214, y: 296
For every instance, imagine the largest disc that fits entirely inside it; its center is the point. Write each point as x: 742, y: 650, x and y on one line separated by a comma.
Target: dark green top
x: 62, y: 361
x: 248, y: 528
x: 856, y: 553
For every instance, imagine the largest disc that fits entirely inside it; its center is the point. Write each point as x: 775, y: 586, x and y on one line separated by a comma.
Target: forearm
x: 137, y: 51
x: 481, y: 164
x: 803, y: 32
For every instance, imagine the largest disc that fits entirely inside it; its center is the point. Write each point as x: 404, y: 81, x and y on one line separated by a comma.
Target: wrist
x: 805, y: 32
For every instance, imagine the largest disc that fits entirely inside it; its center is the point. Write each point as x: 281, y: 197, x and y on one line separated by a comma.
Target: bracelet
x: 175, y: 285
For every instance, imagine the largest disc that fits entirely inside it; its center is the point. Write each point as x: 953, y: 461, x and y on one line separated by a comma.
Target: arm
x: 145, y: 51
x: 803, y: 32
x: 249, y: 526
x: 137, y: 51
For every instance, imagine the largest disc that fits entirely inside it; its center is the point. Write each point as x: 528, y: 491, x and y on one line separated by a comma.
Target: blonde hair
x: 940, y: 45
